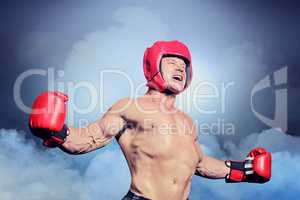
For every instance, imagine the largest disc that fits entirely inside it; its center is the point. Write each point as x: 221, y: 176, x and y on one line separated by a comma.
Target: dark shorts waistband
x: 132, y: 196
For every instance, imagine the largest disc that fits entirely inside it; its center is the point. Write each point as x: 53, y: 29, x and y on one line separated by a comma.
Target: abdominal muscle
x: 161, y: 166
x: 156, y: 184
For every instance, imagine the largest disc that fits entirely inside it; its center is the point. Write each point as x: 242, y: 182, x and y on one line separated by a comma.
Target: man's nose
x: 180, y: 68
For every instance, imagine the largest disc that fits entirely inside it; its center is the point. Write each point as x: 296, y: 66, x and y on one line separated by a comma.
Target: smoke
x: 28, y: 173
x: 108, y: 176
x: 106, y: 65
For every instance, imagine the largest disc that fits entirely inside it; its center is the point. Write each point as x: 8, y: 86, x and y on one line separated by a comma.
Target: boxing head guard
x: 152, y: 60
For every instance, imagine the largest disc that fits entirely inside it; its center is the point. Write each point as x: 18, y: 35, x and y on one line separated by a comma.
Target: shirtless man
x: 158, y: 140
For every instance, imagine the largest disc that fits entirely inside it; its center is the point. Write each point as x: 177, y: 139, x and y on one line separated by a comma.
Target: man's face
x: 173, y: 70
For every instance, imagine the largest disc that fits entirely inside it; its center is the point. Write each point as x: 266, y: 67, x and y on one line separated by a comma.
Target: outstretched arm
x: 97, y: 134
x: 256, y: 168
x: 210, y: 167
x: 47, y: 119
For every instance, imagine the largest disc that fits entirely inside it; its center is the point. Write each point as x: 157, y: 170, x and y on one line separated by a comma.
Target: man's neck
x: 165, y: 100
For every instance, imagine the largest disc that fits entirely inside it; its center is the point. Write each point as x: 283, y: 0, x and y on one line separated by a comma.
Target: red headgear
x: 152, y: 59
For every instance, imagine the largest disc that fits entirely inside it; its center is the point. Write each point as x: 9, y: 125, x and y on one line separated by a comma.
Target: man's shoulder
x: 185, y: 115
x: 134, y: 105
x: 121, y: 105
x: 124, y: 101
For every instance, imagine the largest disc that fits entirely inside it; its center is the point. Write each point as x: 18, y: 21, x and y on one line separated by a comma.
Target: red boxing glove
x: 256, y: 168
x: 47, y: 118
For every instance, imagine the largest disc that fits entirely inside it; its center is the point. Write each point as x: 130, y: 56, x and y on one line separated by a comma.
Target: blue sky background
x: 230, y: 41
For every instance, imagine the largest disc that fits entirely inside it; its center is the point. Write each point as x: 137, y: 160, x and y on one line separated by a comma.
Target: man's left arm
x: 256, y: 168
x: 210, y: 167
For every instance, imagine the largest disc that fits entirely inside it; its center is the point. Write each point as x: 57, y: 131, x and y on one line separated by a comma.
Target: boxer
x: 159, y: 141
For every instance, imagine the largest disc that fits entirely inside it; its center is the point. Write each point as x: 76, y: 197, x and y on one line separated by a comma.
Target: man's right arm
x: 47, y: 118
x: 96, y: 134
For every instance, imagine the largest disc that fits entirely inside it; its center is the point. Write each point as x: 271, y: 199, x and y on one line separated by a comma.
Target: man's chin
x: 176, y: 89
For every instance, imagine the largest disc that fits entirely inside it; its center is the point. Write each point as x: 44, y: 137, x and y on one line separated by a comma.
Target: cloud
x: 29, y: 174
x: 221, y: 88
x: 108, y: 176
x: 272, y: 139
x: 106, y: 65
x: 119, y: 47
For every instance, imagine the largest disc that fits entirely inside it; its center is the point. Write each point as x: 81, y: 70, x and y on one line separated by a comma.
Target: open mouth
x: 178, y: 77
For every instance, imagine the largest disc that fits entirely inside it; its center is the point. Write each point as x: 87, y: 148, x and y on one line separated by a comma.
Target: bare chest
x: 163, y: 137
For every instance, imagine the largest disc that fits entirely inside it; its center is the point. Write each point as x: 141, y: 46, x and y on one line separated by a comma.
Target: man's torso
x: 160, y: 148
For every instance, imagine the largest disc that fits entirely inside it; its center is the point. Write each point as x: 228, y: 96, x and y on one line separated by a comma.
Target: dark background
x: 272, y: 24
